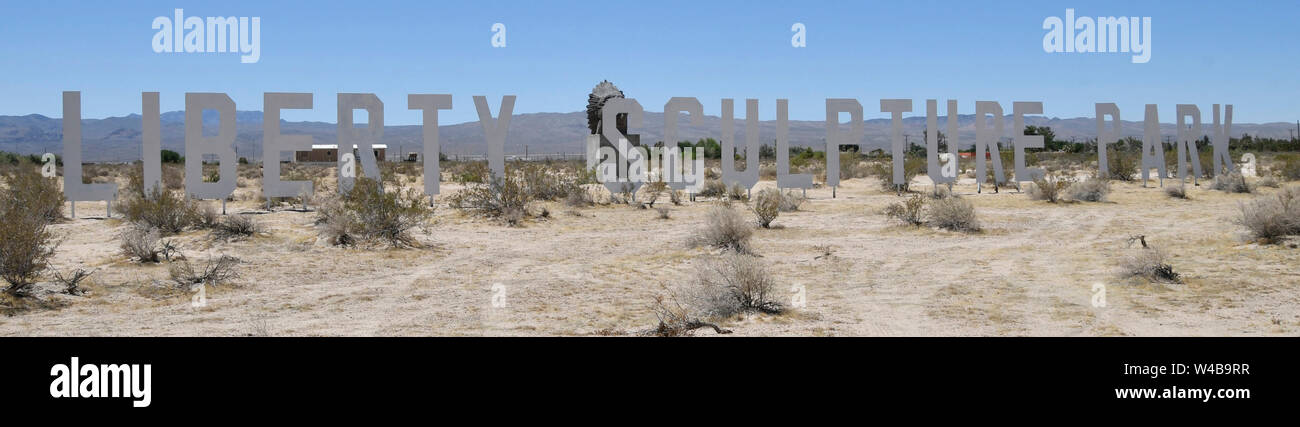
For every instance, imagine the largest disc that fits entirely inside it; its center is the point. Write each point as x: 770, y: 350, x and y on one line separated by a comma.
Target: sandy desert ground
x: 1030, y: 272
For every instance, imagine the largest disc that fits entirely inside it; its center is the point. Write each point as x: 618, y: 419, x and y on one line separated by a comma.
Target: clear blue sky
x: 1203, y: 52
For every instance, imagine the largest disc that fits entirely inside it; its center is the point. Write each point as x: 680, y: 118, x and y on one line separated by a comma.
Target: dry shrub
x: 1288, y: 166
x: 664, y: 213
x: 713, y: 187
x: 26, y: 246
x: 790, y: 201
x: 1089, y: 190
x: 162, y: 209
x: 908, y: 212
x: 367, y: 213
x: 675, y: 196
x: 72, y: 282
x: 725, y: 286
x: 27, y: 188
x: 1177, y: 191
x: 214, y: 272
x: 505, y: 199
x: 1122, y: 165
x: 1231, y: 183
x: 767, y: 206
x: 1049, y: 189
x: 235, y: 227
x: 724, y: 229
x: 651, y: 192
x: 953, y: 213
x: 141, y: 243
x: 733, y: 284
x: 1149, y: 263
x: 1271, y: 218
x: 738, y: 193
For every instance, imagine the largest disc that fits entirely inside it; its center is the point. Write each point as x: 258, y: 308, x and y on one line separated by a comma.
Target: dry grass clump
x: 1269, y: 219
x: 953, y: 213
x: 367, y: 213
x: 144, y: 244
x: 1089, y: 190
x: 1231, y: 183
x: 1177, y: 191
x: 1049, y: 189
x: 663, y: 212
x: 767, y: 206
x: 236, y: 227
x: 214, y: 272
x: 724, y: 229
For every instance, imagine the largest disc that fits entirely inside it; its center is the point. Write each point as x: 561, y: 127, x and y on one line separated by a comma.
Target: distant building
x: 325, y: 153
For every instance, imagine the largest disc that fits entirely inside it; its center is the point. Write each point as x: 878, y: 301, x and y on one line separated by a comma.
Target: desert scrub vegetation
x: 368, y: 214
x: 728, y: 285
x: 909, y: 212
x: 1089, y: 190
x: 1122, y: 165
x: 949, y: 213
x: 791, y: 202
x: 1049, y: 189
x: 236, y: 227
x: 26, y: 246
x: 504, y: 199
x: 1177, y: 191
x: 1270, y: 218
x: 1231, y: 183
x: 954, y: 214
x: 725, y: 229
x: 767, y: 206
x: 215, y: 271
x: 27, y: 188
x: 1148, y: 262
x: 144, y: 244
x: 161, y: 209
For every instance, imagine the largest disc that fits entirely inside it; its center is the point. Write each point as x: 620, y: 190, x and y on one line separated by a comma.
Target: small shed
x: 324, y: 153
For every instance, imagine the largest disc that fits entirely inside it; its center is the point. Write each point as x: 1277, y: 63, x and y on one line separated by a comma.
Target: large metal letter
x: 430, y: 104
x: 896, y: 108
x: 494, y: 131
x: 1022, y: 141
x: 835, y: 106
x: 749, y: 176
x: 73, y: 189
x: 273, y: 143
x: 222, y: 145
x: 1106, y: 138
x: 363, y: 141
x: 151, y: 142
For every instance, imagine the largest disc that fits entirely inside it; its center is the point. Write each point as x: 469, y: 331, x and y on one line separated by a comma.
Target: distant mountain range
x: 118, y: 138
